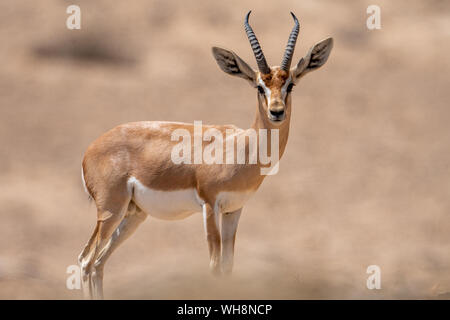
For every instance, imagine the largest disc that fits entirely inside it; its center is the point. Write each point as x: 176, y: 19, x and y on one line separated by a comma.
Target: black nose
x: 277, y: 112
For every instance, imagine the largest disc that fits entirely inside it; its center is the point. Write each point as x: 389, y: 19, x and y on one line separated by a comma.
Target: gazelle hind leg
x: 83, y: 260
x: 88, y: 246
x: 107, y: 221
x: 104, y: 228
x: 229, y: 225
x: 126, y: 228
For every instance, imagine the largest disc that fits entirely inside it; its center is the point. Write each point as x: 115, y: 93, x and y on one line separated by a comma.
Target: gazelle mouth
x: 276, y: 119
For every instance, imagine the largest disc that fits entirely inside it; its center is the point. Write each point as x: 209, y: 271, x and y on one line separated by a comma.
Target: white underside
x: 179, y: 204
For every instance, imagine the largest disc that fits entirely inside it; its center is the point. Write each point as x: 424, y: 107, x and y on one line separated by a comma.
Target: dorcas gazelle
x: 129, y: 173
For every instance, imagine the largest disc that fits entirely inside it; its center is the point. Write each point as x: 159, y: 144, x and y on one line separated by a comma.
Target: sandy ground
x: 364, y: 180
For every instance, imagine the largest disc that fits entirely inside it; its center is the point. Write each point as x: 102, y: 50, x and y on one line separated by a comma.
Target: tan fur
x: 142, y: 150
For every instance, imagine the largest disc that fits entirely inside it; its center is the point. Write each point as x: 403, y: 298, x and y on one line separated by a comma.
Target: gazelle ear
x: 316, y: 57
x: 230, y: 63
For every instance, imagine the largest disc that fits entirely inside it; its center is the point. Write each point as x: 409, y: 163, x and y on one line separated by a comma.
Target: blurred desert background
x: 365, y: 179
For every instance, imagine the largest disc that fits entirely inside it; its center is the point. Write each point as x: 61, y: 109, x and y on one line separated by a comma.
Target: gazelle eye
x: 290, y: 86
x: 261, y: 89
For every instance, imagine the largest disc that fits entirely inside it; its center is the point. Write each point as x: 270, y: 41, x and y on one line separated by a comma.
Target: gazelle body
x: 130, y: 173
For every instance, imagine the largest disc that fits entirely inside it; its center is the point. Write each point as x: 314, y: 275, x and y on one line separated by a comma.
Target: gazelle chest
x: 229, y: 201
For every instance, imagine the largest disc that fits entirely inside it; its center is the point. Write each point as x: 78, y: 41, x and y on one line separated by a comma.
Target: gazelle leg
x: 83, y: 260
x: 230, y: 222
x: 126, y: 228
x: 211, y: 224
x: 107, y: 221
x: 105, y: 230
x: 88, y: 246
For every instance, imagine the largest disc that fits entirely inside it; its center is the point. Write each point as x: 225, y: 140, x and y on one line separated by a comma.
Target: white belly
x: 179, y: 204
x: 167, y: 205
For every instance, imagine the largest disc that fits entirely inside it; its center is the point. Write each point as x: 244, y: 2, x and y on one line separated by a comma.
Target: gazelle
x: 129, y: 173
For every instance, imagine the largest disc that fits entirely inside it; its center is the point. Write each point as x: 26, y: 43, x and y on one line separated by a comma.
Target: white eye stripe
x: 266, y: 90
x: 284, y: 87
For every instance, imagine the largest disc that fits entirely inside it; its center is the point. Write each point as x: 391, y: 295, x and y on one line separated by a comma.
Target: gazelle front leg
x: 230, y: 222
x: 211, y: 224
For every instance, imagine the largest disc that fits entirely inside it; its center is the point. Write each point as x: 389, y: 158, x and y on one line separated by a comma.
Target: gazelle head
x: 274, y: 84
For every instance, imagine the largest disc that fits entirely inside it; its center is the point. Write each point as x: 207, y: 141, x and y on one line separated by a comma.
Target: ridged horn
x: 289, y: 52
x: 260, y: 59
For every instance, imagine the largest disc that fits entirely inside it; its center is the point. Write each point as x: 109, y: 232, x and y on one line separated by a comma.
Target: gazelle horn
x: 289, y: 52
x: 260, y: 59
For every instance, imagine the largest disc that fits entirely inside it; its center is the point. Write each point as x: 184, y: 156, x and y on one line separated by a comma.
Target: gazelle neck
x: 262, y: 122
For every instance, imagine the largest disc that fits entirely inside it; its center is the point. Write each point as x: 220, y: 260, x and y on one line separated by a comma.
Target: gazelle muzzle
x: 277, y: 111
